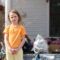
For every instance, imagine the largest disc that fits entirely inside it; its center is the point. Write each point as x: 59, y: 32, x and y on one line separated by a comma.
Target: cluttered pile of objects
x: 40, y: 48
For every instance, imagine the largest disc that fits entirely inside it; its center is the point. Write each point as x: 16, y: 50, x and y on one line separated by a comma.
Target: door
x: 54, y: 18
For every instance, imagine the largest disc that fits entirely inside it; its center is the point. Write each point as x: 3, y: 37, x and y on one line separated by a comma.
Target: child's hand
x: 13, y: 51
x: 17, y: 49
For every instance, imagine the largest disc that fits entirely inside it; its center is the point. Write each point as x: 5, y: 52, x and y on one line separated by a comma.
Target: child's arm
x: 23, y: 41
x: 6, y: 41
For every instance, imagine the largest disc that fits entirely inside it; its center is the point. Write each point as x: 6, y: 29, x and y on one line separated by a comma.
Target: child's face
x: 13, y: 18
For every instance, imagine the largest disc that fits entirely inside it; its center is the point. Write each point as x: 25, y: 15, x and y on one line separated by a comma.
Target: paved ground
x: 30, y: 56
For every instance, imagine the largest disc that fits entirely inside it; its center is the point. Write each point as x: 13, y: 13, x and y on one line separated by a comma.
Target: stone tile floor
x: 31, y: 56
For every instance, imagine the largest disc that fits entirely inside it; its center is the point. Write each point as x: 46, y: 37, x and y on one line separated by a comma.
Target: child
x: 14, y: 35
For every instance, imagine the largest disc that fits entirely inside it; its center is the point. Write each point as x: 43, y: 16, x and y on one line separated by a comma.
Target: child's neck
x: 14, y: 25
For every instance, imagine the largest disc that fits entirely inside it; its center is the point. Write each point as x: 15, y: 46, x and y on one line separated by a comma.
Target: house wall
x: 37, y: 19
x: 2, y: 2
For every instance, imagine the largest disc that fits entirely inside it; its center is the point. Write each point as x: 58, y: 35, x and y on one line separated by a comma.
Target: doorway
x: 54, y: 18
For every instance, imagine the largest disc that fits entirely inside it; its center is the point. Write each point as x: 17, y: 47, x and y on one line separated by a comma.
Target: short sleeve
x: 23, y: 31
x: 6, y: 30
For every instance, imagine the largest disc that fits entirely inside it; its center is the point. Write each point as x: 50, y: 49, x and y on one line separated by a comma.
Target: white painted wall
x: 37, y: 20
x: 2, y: 2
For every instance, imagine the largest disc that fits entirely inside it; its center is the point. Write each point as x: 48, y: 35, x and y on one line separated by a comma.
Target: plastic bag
x: 40, y: 44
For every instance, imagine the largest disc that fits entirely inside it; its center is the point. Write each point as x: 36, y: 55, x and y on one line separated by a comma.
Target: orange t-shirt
x: 15, y: 35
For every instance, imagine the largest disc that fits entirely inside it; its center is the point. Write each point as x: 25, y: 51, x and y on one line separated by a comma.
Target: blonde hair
x: 17, y: 13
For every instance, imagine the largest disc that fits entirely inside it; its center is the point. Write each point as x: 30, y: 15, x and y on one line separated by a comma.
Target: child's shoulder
x: 21, y: 26
x: 7, y: 27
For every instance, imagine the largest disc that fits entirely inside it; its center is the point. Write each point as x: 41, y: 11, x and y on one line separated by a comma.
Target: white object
x: 40, y: 44
x: 48, y: 56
